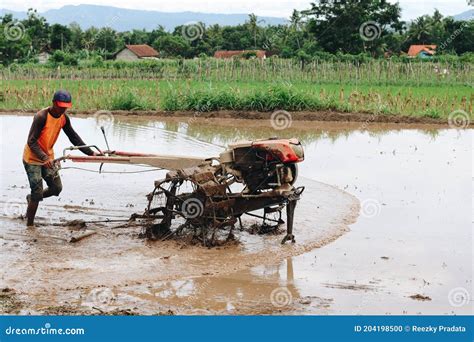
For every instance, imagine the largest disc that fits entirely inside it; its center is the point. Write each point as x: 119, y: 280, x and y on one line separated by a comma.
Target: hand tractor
x: 208, y: 196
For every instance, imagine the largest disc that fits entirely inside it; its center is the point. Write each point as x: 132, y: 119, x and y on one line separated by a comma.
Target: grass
x: 378, y: 86
x: 374, y: 72
x: 430, y: 101
x: 126, y: 100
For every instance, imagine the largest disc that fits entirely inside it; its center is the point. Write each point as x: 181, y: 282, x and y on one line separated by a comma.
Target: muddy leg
x: 53, y: 180
x: 36, y: 184
x: 31, y: 213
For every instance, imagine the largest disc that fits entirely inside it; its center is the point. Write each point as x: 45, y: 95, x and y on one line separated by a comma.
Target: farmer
x: 38, y: 155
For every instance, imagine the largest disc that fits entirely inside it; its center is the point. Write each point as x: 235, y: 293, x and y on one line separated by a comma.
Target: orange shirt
x: 47, y: 138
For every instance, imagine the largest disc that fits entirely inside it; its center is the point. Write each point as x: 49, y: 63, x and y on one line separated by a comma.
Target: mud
x: 118, y: 259
x: 376, y: 225
x: 420, y: 297
x: 325, y: 116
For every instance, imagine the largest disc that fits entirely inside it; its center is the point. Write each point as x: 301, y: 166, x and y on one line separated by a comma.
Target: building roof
x: 416, y: 49
x: 142, y: 50
x: 231, y: 53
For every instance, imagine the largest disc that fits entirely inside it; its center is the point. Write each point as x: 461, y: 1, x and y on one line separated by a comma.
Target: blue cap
x: 62, y: 97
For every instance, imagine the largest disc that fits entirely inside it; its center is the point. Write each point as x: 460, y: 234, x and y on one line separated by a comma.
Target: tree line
x: 370, y: 28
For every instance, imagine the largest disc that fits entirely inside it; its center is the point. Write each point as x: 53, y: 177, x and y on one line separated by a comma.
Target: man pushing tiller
x: 38, y: 155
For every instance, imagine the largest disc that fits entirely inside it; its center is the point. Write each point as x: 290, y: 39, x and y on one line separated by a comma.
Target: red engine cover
x: 287, y: 150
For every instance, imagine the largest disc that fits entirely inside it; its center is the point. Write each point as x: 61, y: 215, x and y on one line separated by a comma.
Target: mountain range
x: 122, y: 19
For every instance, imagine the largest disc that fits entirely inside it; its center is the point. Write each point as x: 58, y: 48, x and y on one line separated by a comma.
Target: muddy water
x: 386, y: 215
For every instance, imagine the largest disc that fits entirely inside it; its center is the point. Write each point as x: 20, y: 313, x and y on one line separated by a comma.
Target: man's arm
x: 75, y: 138
x: 39, y: 120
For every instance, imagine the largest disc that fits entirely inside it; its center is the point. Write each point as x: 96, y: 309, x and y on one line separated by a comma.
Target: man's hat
x: 62, y: 98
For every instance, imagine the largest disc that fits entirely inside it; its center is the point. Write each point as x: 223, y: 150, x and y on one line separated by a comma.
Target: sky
x: 276, y: 8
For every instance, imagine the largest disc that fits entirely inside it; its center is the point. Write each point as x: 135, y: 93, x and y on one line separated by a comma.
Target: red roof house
x: 422, y: 50
x: 135, y: 52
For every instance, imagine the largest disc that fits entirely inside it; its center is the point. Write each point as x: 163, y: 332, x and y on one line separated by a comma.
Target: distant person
x: 38, y: 154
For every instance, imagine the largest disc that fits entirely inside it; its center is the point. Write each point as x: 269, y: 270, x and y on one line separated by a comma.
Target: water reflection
x: 222, y: 132
x: 260, y: 290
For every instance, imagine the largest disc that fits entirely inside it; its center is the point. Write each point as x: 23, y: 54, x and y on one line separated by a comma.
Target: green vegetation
x: 431, y: 101
x: 351, y: 69
x: 320, y: 64
x: 368, y: 28
x: 126, y: 100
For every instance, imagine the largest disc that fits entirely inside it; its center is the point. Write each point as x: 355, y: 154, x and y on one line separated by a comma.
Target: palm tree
x: 253, y: 24
x: 420, y: 29
x: 295, y: 24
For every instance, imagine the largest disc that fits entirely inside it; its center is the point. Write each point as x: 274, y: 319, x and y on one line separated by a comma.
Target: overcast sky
x: 278, y: 8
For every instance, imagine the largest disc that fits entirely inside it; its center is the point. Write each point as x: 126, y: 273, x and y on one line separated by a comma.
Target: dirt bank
x: 364, y: 118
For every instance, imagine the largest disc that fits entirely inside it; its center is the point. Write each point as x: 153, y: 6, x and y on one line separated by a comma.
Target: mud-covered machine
x: 211, y: 195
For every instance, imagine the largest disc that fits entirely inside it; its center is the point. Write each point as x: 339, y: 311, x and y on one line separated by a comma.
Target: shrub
x: 126, y: 100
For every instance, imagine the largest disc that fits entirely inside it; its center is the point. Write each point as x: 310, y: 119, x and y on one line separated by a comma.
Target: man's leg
x: 36, y: 184
x: 53, y: 181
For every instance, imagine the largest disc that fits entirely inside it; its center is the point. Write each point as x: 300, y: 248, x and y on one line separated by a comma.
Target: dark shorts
x: 36, y: 174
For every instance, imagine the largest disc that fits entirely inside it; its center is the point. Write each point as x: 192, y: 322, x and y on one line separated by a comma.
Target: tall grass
x: 372, y: 72
x: 31, y: 95
x: 293, y: 98
x: 126, y: 100
x: 261, y: 99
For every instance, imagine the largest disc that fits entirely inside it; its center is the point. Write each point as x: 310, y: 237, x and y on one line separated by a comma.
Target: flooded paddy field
x: 384, y: 226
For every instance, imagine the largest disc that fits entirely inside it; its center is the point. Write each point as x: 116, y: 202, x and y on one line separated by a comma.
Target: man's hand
x: 49, y: 163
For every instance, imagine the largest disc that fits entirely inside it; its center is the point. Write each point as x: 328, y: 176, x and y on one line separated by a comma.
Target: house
x: 241, y: 53
x: 422, y: 51
x: 43, y: 57
x: 136, y: 52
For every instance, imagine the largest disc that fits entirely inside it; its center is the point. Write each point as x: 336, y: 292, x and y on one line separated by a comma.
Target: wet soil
x: 385, y: 216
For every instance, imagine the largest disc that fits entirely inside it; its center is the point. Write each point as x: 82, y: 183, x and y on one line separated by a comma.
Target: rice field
x: 371, y: 72
x: 387, y: 88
